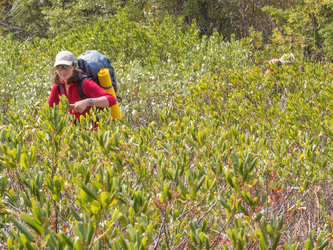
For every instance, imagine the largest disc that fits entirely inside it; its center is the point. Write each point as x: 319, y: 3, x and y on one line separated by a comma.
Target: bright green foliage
x: 34, y: 18
x: 326, y: 30
x: 30, y: 18
x: 307, y: 26
x: 211, y: 153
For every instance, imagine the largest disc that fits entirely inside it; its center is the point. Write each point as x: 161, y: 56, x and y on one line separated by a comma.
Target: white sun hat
x: 64, y: 58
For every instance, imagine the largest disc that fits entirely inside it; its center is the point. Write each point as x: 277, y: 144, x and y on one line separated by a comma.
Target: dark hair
x: 76, y: 76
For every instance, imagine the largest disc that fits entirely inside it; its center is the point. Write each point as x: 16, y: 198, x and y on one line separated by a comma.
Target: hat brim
x: 63, y: 62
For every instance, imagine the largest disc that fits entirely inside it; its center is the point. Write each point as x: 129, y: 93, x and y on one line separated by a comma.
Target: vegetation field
x: 210, y: 153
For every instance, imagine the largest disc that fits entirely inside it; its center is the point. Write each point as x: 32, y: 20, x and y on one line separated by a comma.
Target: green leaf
x: 323, y: 245
x: 91, y: 229
x: 190, y: 141
x: 18, y: 153
x: 204, y: 225
x: 37, y: 212
x: 23, y: 161
x: 276, y: 240
x: 80, y: 230
x: 191, y: 245
x: 10, y: 245
x: 201, y: 236
x: 105, y: 199
x: 124, y: 242
x: 75, y: 214
x: 123, y: 220
x: 33, y: 154
x: 270, y: 230
x: 115, y: 215
x: 240, y: 242
x: 27, y: 201
x: 262, y: 244
x: 263, y: 235
x: 201, y: 181
x: 91, y: 193
x: 307, y: 245
x: 258, y: 216
x: 228, y: 179
x: 67, y: 240
x: 236, y: 184
x: 144, y: 242
x: 225, y: 205
x: 30, y: 236
x: 77, y: 244
x: 281, y: 223
x: 60, y: 128
x: 193, y: 238
x: 26, y: 243
x: 95, y: 207
x: 32, y: 223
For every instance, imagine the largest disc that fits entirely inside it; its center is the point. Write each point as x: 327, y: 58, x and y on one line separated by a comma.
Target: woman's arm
x: 100, y: 97
x: 101, y: 102
x: 93, y: 90
x: 54, y: 96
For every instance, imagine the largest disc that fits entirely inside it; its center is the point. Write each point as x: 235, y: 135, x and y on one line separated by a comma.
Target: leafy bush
x: 26, y: 18
x: 308, y: 25
x: 205, y: 156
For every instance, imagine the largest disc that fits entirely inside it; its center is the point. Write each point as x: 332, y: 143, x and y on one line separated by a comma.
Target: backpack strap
x: 119, y: 99
x: 79, y: 87
x: 60, y: 90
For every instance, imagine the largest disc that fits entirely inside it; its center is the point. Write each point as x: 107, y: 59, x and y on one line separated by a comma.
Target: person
x: 286, y: 59
x: 66, y: 78
x: 274, y: 63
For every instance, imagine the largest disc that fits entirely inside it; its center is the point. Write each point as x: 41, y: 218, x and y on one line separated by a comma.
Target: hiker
x: 66, y: 78
x: 286, y: 59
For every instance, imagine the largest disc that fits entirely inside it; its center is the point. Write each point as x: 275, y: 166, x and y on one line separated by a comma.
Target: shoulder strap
x: 61, y: 92
x: 79, y: 88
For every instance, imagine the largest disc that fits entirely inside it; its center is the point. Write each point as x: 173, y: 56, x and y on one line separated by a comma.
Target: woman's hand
x: 81, y: 106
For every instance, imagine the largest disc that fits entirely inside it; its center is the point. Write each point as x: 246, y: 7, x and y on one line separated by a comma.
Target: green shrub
x: 204, y: 156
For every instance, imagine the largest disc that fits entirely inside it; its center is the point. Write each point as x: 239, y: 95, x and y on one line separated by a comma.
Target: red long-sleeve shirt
x: 89, y: 88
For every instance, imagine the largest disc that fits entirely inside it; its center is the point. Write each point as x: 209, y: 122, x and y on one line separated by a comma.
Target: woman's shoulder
x: 57, y: 86
x: 87, y: 82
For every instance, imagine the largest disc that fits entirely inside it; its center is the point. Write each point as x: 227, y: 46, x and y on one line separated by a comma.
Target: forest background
x: 307, y: 22
x: 210, y: 152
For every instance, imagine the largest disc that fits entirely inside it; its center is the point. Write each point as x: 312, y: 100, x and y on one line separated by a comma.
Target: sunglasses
x: 62, y: 67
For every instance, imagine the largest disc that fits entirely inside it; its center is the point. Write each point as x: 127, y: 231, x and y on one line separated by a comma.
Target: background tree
x: 309, y: 25
x: 42, y: 18
x: 288, y: 24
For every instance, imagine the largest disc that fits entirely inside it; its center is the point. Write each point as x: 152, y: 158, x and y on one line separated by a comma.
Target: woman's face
x: 65, y: 72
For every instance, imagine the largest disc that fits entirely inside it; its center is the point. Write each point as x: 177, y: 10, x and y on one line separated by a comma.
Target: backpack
x: 90, y: 62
